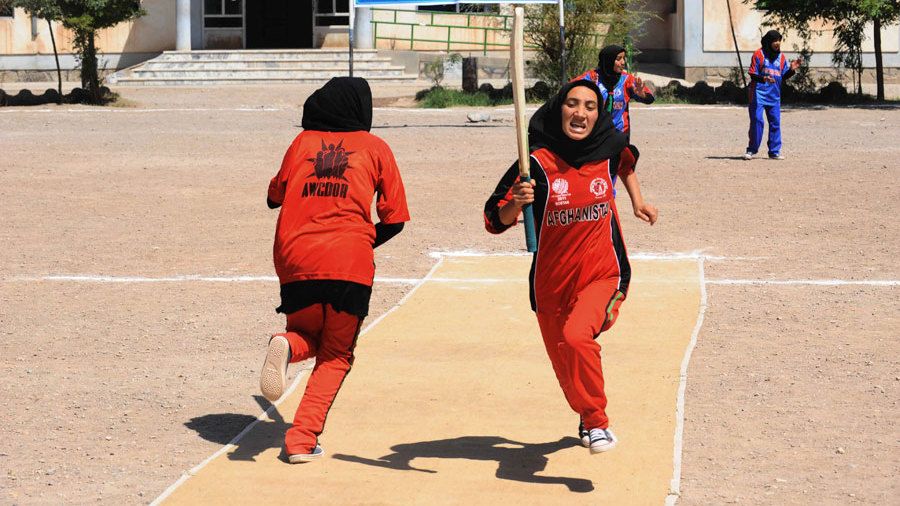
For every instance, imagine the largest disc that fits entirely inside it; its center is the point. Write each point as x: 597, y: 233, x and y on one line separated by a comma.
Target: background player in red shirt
x: 323, y: 248
x: 580, y: 272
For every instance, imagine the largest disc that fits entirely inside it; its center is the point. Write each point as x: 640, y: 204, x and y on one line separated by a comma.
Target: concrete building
x: 692, y: 35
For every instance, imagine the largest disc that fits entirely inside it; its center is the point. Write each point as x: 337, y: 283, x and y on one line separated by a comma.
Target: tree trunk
x: 879, y: 65
x: 89, y: 75
x: 56, y: 55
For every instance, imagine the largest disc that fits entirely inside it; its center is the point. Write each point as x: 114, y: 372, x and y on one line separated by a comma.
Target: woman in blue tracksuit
x: 768, y: 68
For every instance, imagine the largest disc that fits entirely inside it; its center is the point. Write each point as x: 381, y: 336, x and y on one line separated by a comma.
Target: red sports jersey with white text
x: 579, y: 236
x: 326, y: 185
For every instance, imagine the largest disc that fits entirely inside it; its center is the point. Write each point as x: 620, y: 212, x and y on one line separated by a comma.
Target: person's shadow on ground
x: 733, y: 157
x: 516, y: 461
x: 222, y: 428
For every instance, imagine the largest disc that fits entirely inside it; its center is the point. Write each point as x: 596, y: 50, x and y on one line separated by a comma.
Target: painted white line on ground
x: 807, y: 282
x: 245, y: 279
x: 675, y: 485
x: 127, y: 110
x: 87, y: 278
x: 640, y: 255
x: 265, y: 415
x: 262, y: 417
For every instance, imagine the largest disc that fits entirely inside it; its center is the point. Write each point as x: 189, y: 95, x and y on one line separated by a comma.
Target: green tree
x: 585, y: 21
x: 48, y: 10
x: 881, y: 12
x: 848, y: 17
x: 85, y: 18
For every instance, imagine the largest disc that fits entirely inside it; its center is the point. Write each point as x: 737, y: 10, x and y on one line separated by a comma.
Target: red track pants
x: 330, y: 336
x: 570, y: 338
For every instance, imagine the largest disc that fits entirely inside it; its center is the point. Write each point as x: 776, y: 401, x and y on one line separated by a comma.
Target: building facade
x: 694, y: 35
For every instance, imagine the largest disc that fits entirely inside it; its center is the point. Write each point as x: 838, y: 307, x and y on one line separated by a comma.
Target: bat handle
x: 528, y: 217
x: 530, y: 237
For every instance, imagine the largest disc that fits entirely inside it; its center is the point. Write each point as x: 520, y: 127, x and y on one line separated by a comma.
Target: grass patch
x: 669, y: 101
x: 440, y: 98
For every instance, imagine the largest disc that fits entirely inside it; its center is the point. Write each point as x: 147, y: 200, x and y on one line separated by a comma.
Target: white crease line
x: 127, y: 110
x: 685, y: 255
x: 675, y: 485
x: 87, y: 278
x: 807, y: 282
x: 415, y: 281
x: 194, y: 470
x: 245, y: 279
x: 689, y: 107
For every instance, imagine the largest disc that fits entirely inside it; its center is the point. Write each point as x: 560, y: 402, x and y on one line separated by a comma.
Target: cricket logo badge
x: 599, y: 187
x: 560, y: 189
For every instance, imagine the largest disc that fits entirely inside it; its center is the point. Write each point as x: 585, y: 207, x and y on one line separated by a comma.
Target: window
x: 6, y: 11
x: 223, y: 13
x: 332, y: 12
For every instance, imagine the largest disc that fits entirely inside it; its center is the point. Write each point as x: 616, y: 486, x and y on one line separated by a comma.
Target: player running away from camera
x: 617, y: 87
x: 768, y: 69
x: 323, y: 250
x: 580, y: 272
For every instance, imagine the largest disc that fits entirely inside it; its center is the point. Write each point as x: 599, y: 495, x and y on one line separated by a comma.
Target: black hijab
x: 344, y: 104
x: 606, y: 66
x: 767, y: 40
x: 545, y: 131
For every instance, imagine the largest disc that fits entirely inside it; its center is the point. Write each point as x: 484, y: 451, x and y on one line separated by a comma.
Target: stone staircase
x: 201, y: 68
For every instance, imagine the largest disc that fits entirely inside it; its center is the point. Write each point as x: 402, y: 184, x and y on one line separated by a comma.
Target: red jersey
x: 326, y: 185
x: 577, y: 225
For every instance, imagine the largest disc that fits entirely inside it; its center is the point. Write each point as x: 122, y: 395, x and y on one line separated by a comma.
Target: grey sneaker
x: 602, y: 440
x: 274, y: 371
x: 299, y: 458
x: 748, y: 156
x: 584, y: 435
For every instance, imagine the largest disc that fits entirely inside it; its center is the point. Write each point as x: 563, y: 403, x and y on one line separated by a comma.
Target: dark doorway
x: 279, y: 24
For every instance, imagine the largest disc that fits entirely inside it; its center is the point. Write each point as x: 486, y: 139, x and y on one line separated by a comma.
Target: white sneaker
x: 274, y: 371
x: 748, y: 156
x: 585, y: 435
x: 602, y: 440
x: 778, y: 156
x: 299, y: 458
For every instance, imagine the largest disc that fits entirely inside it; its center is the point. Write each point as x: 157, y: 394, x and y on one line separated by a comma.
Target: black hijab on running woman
x: 545, y: 131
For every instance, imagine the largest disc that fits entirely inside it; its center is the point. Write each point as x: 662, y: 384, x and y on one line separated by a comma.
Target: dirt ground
x: 792, y: 391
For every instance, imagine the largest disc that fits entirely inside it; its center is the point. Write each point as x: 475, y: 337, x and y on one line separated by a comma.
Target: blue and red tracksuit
x: 766, y: 98
x: 617, y: 106
x: 622, y: 94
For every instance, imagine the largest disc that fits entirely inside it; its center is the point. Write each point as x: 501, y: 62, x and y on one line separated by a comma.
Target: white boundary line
x: 405, y: 110
x: 264, y: 415
x: 807, y: 282
x: 127, y: 110
x: 675, y: 484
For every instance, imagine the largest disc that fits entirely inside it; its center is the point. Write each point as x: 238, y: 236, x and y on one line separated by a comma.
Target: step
x: 264, y: 64
x: 322, y: 73
x: 277, y: 54
x: 136, y: 81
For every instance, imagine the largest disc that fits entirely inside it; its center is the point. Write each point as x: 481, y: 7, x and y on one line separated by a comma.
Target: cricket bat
x: 517, y: 64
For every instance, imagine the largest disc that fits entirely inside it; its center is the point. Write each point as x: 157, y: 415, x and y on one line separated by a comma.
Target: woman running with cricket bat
x: 580, y: 272
x: 323, y: 247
